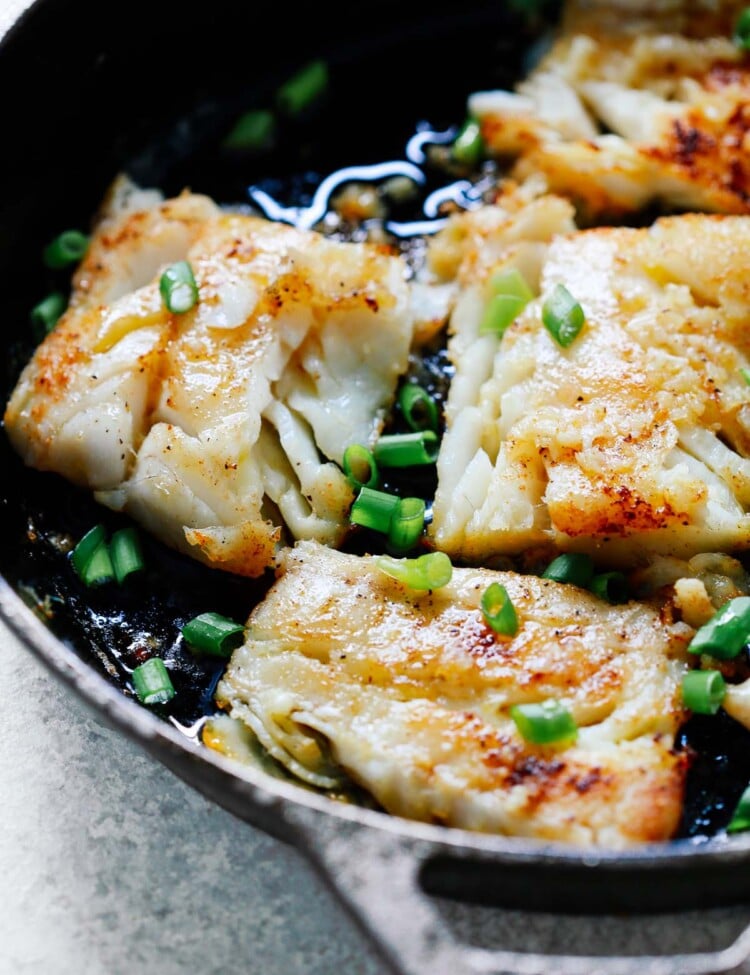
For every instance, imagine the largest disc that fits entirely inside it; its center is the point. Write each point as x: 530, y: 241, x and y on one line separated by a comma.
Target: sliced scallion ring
x: 510, y: 294
x: 574, y: 568
x: 741, y: 36
x: 303, y: 88
x: 703, y: 691
x: 563, y: 317
x: 253, y: 130
x: 152, y: 682
x: 498, y: 610
x: 544, y: 724
x: 82, y: 553
x: 45, y: 315
x: 740, y: 820
x: 213, y: 634
x: 501, y: 311
x: 178, y: 288
x: 745, y: 373
x: 418, y: 407
x: 468, y: 147
x: 374, y: 509
x: 726, y: 633
x: 125, y: 552
x: 511, y: 282
x: 67, y: 248
x: 430, y: 571
x: 360, y: 467
x: 406, y: 449
x: 407, y: 524
x: 610, y: 586
x: 98, y: 571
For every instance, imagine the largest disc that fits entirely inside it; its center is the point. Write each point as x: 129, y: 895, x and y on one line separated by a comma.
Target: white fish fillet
x: 635, y: 439
x: 636, y: 103
x: 219, y: 429
x: 410, y: 693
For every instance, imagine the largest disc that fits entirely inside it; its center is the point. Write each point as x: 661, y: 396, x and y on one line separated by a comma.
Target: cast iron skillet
x: 87, y: 91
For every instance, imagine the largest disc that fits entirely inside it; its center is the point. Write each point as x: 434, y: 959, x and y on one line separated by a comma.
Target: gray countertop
x: 109, y: 864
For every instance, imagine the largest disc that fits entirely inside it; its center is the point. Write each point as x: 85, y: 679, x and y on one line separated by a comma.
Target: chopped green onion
x: 178, y: 288
x: 374, y: 509
x: 545, y: 723
x: 152, y: 682
x: 498, y: 610
x: 45, y: 315
x: 511, y: 282
x: 741, y: 35
x: 703, y: 691
x: 431, y: 571
x: 746, y: 375
x: 726, y: 633
x: 469, y: 145
x: 303, y: 88
x: 407, y: 524
x: 501, y: 311
x: 574, y: 567
x: 418, y: 407
x: 98, y: 570
x: 510, y: 295
x: 563, y: 317
x: 253, y: 130
x: 68, y: 248
x: 407, y: 449
x: 360, y: 467
x: 610, y: 586
x: 84, y: 550
x: 214, y: 634
x: 126, y: 555
x: 740, y: 820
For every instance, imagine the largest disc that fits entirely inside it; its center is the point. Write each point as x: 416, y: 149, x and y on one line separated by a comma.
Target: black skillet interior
x: 153, y: 89
x: 155, y: 97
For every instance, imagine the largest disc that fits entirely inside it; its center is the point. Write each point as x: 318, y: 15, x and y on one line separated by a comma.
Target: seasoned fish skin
x: 632, y: 441
x: 220, y: 429
x: 81, y: 404
x: 411, y: 692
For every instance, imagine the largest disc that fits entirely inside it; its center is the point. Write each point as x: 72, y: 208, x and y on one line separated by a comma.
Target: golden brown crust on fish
x: 631, y: 441
x: 411, y: 692
x: 634, y: 105
x: 222, y: 428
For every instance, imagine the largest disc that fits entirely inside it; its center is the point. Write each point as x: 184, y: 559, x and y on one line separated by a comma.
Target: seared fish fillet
x: 217, y: 429
x: 410, y: 693
x: 634, y: 104
x: 632, y: 441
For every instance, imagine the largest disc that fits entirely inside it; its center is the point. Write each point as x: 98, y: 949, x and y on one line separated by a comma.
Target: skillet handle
x: 377, y: 874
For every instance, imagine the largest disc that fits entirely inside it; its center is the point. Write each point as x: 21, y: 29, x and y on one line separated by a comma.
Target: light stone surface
x: 109, y: 864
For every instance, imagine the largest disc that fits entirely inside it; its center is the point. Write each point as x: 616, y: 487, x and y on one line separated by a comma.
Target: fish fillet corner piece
x: 409, y: 693
x: 634, y: 104
x: 631, y: 442
x: 220, y: 429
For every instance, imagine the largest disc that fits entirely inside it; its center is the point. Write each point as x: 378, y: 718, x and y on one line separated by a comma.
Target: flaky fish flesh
x: 632, y: 441
x: 220, y: 429
x: 634, y: 104
x: 410, y: 694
